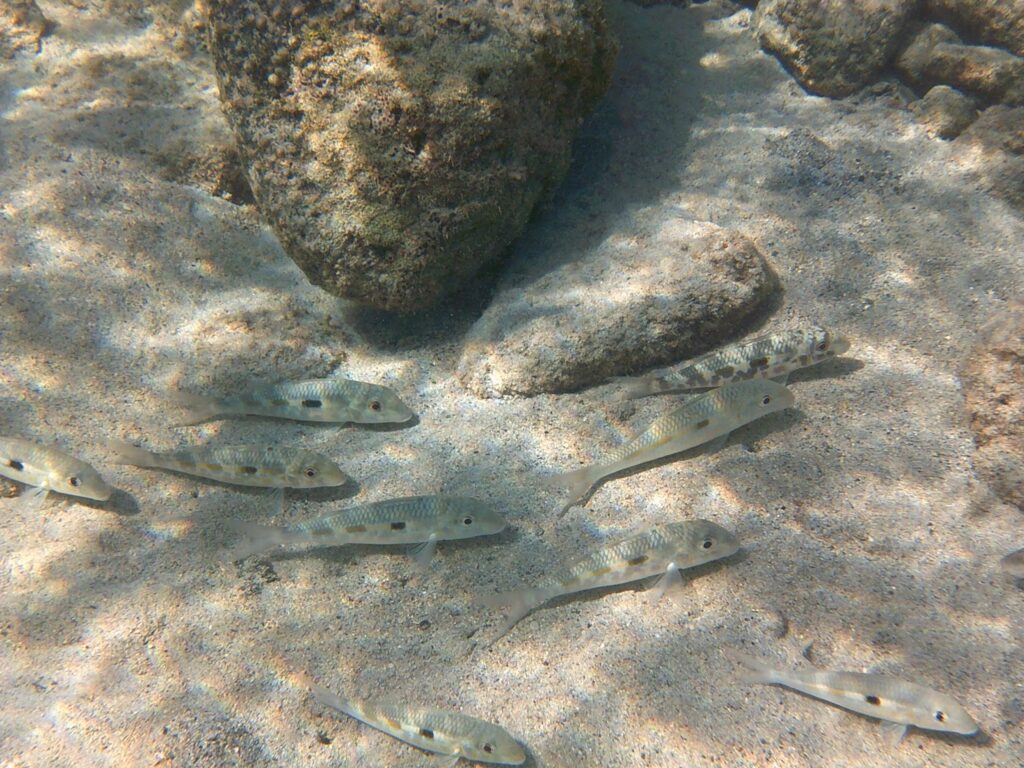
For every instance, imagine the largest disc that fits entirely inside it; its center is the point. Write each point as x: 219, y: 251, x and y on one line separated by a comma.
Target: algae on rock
x: 398, y: 146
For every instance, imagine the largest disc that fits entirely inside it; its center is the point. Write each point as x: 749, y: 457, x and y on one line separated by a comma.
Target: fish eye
x: 822, y: 346
x: 707, y: 543
x: 75, y: 482
x: 467, y: 520
x: 375, y: 405
x: 940, y: 716
x: 766, y: 399
x: 310, y: 472
x: 488, y: 748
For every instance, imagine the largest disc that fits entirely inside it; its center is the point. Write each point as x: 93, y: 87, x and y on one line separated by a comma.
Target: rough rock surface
x: 944, y: 112
x: 994, y: 147
x: 999, y: 22
x: 993, y: 380
x: 659, y: 289
x: 22, y: 26
x: 397, y: 146
x: 834, y: 47
x: 935, y: 55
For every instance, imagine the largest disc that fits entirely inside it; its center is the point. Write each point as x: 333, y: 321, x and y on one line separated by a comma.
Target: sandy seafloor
x: 127, y: 639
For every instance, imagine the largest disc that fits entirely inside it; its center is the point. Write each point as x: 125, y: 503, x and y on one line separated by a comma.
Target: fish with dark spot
x: 769, y: 357
x: 48, y: 469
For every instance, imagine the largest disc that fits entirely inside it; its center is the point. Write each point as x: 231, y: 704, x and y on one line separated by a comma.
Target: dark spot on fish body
x: 701, y: 424
x: 596, y: 573
x: 279, y: 402
x: 940, y: 716
x: 250, y: 470
x: 426, y: 733
x: 726, y: 372
x: 397, y: 526
x: 249, y: 401
x: 355, y: 529
x: 638, y: 560
x: 312, y: 404
x: 15, y: 464
x: 488, y: 748
x: 870, y: 699
x: 211, y: 467
x: 759, y: 362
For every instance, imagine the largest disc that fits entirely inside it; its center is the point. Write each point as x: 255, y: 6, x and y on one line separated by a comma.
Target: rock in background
x: 834, y: 47
x: 660, y: 289
x: 997, y: 22
x: 994, y: 389
x: 397, y: 147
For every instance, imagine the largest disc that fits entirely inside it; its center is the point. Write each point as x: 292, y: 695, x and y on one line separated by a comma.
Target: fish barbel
x: 896, y: 702
x: 661, y: 550
x: 448, y: 733
x: 767, y: 357
x: 339, y: 401
x: 702, y: 419
x: 422, y: 520
x: 48, y: 469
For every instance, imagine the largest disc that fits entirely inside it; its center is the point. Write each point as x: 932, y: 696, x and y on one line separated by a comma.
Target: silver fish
x: 449, y: 733
x: 705, y: 418
x: 1013, y: 564
x: 896, y: 702
x: 260, y: 466
x: 661, y: 550
x: 48, y: 469
x: 422, y: 520
x: 769, y: 357
x: 339, y: 401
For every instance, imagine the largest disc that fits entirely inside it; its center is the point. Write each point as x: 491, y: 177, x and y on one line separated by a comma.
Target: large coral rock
x: 658, y: 291
x: 994, y: 390
x: 833, y: 46
x: 397, y: 146
x: 999, y: 22
x: 994, y: 146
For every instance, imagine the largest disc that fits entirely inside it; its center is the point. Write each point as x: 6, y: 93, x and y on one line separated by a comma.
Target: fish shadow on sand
x: 120, y: 503
x: 836, y: 368
x: 746, y: 435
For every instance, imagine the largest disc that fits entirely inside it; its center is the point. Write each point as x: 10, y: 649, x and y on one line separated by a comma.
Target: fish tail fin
x: 516, y: 604
x: 256, y: 539
x: 755, y: 671
x: 578, y: 482
x: 198, y: 408
x: 329, y: 699
x: 126, y: 453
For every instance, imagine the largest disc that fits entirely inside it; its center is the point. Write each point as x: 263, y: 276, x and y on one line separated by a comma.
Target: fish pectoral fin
x: 714, y: 446
x: 33, y: 498
x: 275, y: 500
x: 894, y: 732
x: 421, y: 554
x: 668, y: 583
x: 446, y: 761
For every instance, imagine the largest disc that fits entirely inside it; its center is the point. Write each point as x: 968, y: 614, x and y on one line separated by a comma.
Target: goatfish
x: 1013, y: 564
x: 448, y: 733
x: 766, y: 357
x: 48, y: 469
x: 339, y: 401
x: 419, y: 520
x: 897, y: 703
x: 661, y: 550
x: 260, y: 466
x: 707, y: 418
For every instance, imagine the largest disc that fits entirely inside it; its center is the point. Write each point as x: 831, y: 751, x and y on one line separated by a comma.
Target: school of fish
x: 745, y: 381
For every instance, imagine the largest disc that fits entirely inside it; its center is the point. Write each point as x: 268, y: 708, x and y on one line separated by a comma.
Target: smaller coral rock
x: 994, y: 389
x: 996, y: 140
x: 936, y: 56
x: 834, y: 47
x: 944, y: 112
x: 998, y: 22
x: 659, y: 292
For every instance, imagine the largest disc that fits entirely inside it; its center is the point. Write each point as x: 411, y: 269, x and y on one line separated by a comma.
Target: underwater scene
x: 555, y: 383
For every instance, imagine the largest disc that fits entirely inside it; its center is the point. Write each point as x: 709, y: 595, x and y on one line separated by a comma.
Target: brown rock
x: 999, y: 22
x: 833, y: 47
x: 663, y: 291
x: 993, y: 380
x: 936, y: 56
x: 995, y: 144
x: 22, y: 26
x: 944, y: 112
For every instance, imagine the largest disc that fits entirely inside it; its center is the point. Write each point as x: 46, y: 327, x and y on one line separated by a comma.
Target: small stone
x: 659, y: 292
x: 944, y: 112
x: 833, y: 47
